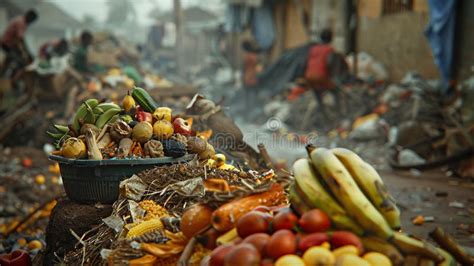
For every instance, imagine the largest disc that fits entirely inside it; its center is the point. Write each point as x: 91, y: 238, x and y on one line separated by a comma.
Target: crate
x: 91, y: 181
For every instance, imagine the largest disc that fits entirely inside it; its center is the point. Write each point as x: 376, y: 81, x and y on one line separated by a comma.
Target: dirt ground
x: 430, y: 194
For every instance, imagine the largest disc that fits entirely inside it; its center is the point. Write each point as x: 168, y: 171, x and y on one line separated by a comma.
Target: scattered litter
x: 415, y: 172
x: 441, y: 194
x: 409, y: 157
x: 456, y: 204
x: 418, y: 220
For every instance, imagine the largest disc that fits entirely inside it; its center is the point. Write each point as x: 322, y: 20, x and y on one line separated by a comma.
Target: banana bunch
x: 62, y: 133
x: 351, y: 192
x: 93, y: 112
x: 90, y: 111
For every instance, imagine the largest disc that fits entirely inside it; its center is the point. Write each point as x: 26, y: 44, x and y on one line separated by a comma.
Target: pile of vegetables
x: 138, y: 128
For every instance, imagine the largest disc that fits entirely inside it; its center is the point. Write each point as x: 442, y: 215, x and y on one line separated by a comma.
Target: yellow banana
x: 448, y: 259
x: 412, y: 246
x: 227, y: 237
x: 372, y: 243
x: 371, y: 184
x: 346, y: 191
x: 297, y: 204
x: 314, y: 195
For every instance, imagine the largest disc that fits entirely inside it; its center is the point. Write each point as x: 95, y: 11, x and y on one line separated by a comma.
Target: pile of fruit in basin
x: 139, y: 128
x: 334, y: 210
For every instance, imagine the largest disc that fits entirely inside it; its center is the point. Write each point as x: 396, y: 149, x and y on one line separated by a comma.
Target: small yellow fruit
x: 54, y: 179
x: 207, y: 153
x: 163, y: 129
x: 349, y: 249
x: 35, y: 244
x: 351, y: 260
x: 288, y: 260
x: 129, y: 83
x: 318, y: 256
x: 377, y: 259
x: 73, y: 148
x: 54, y: 169
x: 220, y: 159
x: 40, y: 179
x: 21, y: 242
x: 142, y: 132
x: 128, y: 102
x: 162, y: 113
x: 210, y: 163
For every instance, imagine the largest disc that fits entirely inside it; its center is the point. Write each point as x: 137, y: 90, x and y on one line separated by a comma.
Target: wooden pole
x: 178, y: 21
x: 354, y: 25
x: 313, y: 32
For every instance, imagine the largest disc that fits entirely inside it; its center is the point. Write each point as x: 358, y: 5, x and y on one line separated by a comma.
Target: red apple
x: 285, y: 220
x: 253, y: 222
x: 181, y: 126
x: 281, y: 243
x: 314, y: 221
x: 344, y: 238
x: 243, y: 255
x: 259, y: 241
x: 218, y: 255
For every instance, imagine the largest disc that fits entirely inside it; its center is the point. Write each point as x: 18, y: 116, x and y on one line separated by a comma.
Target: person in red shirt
x: 13, y: 43
x: 317, y: 73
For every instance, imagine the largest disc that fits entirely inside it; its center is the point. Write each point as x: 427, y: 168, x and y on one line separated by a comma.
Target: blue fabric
x: 440, y: 33
x: 263, y: 26
x: 237, y: 18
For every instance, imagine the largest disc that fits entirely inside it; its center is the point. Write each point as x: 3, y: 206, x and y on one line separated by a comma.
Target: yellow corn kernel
x: 153, y: 210
x: 145, y: 227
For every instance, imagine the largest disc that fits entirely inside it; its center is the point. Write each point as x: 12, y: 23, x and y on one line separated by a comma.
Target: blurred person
x: 250, y: 70
x: 54, y: 48
x: 318, y: 71
x: 13, y: 42
x: 80, y: 55
x: 155, y: 37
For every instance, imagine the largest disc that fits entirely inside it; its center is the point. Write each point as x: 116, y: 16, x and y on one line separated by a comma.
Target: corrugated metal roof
x: 51, y: 17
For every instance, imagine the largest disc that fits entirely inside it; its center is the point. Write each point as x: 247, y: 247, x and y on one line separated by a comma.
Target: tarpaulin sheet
x: 440, y: 33
x: 287, y: 68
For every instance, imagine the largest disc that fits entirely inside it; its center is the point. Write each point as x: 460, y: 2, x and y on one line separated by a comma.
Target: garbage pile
x: 411, y: 118
x: 137, y: 129
x: 30, y: 187
x: 51, y: 98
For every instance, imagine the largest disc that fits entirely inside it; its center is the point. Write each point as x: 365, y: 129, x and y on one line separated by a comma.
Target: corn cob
x: 153, y: 210
x: 145, y: 227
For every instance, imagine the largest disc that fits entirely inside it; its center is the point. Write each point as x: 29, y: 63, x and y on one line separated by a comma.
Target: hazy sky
x: 98, y: 8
